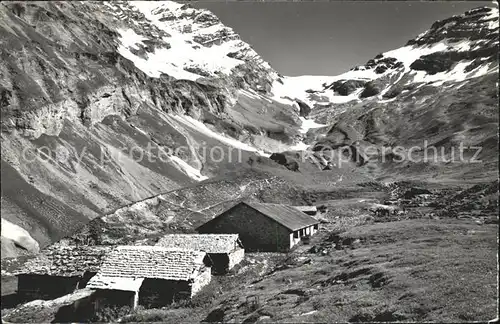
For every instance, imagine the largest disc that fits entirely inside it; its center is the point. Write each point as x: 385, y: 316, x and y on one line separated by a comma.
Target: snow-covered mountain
x: 448, y: 54
x: 439, y: 90
x: 111, y: 90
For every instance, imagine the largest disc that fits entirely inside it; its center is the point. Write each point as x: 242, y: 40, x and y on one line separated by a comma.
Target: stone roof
x: 65, y: 261
x: 152, y: 262
x: 114, y: 283
x: 288, y: 216
x: 210, y: 243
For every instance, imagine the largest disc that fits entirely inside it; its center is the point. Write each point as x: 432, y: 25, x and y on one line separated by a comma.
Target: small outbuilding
x: 224, y: 250
x: 59, y: 270
x: 151, y: 276
x: 309, y: 210
x: 263, y: 227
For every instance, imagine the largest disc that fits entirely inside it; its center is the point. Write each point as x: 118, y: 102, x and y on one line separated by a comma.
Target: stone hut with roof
x: 150, y: 276
x: 263, y: 227
x: 59, y: 270
x: 224, y: 250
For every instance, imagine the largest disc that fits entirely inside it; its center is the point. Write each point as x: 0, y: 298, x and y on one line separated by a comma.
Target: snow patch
x: 307, y: 124
x: 301, y: 146
x: 249, y: 94
x: 387, y: 100
x: 188, y: 169
x: 493, y: 15
x: 140, y: 130
x: 129, y: 38
x: 295, y: 88
x: 19, y: 235
x: 200, y: 127
x: 461, y: 46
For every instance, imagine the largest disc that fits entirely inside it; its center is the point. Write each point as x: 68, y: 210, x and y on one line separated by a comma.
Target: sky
x: 329, y: 38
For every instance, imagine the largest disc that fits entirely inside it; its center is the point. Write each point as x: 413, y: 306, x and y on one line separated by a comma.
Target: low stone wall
x: 201, y: 280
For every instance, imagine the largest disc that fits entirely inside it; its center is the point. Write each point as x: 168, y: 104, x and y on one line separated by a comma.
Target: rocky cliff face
x: 453, y: 50
x: 105, y: 104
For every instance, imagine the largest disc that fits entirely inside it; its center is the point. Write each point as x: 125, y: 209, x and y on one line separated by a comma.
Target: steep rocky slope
x: 88, y: 127
x: 126, y: 102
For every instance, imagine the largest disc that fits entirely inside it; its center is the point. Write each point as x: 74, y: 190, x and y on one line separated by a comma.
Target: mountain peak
x: 452, y: 50
x: 479, y: 24
x: 183, y: 42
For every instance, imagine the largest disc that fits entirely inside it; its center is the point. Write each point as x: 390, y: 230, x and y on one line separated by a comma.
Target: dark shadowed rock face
x: 370, y: 90
x: 444, y: 61
x: 346, y: 87
x: 433, y: 64
x: 286, y: 161
x: 459, y: 27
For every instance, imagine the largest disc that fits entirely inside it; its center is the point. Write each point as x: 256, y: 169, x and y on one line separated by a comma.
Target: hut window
x: 296, y: 234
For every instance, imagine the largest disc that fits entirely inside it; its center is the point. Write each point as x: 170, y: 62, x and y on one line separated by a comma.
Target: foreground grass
x: 413, y: 270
